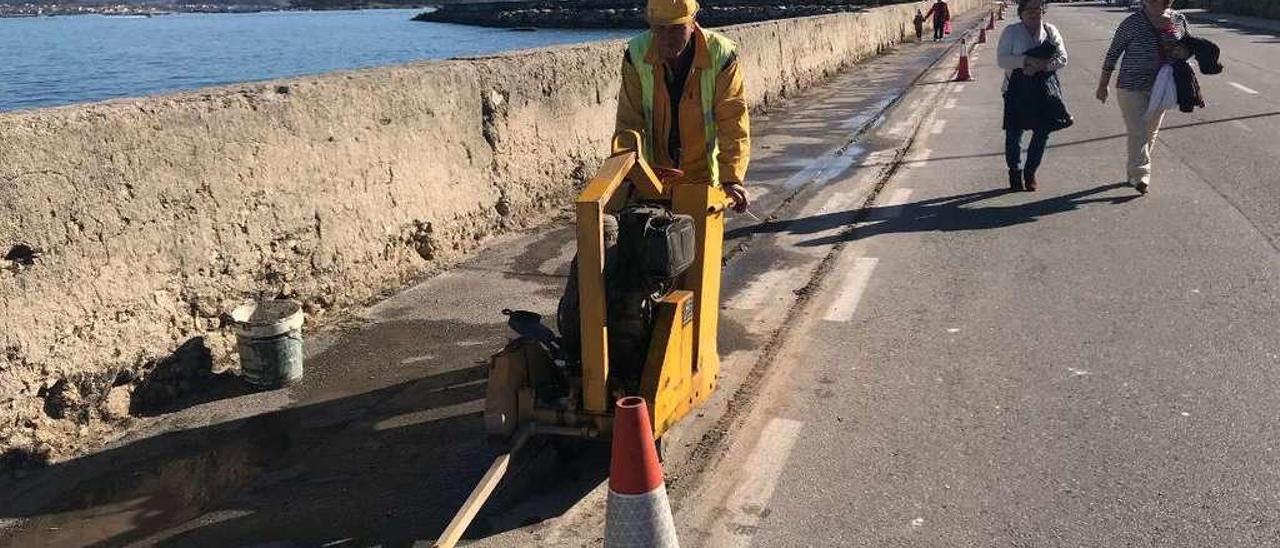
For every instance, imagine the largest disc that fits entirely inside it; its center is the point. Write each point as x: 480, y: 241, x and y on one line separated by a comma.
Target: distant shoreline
x: 8, y: 11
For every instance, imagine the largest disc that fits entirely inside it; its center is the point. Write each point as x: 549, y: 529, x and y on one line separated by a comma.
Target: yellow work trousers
x: 1142, y: 132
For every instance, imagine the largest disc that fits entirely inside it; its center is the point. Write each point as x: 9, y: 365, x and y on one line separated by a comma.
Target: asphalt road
x: 1078, y: 366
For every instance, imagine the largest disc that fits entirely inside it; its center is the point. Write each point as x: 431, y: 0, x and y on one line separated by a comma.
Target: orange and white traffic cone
x: 638, y: 513
x: 982, y: 36
x: 991, y: 23
x: 1000, y: 14
x: 962, y: 73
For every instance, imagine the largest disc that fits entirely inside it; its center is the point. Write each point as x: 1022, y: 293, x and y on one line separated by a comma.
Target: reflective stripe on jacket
x: 712, y: 113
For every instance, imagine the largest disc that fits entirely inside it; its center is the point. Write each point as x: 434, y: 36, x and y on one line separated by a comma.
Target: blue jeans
x: 1035, y: 151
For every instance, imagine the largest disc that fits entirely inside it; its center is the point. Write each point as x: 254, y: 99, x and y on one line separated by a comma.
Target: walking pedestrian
x: 1030, y: 53
x: 1146, y: 40
x: 919, y: 23
x: 941, y: 13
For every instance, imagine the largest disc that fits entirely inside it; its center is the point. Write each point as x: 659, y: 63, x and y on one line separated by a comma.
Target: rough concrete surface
x: 130, y: 227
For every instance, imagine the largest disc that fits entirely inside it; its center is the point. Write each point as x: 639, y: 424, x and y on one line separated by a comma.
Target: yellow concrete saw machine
x: 639, y: 316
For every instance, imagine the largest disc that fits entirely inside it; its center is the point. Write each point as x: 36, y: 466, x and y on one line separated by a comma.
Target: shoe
x: 1015, y: 179
x: 1141, y: 187
x: 1029, y: 181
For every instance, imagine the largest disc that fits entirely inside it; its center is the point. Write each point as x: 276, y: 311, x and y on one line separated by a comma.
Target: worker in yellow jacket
x: 682, y: 90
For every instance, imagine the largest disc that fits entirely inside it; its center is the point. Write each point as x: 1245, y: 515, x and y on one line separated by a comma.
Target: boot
x: 1030, y: 180
x: 1015, y: 179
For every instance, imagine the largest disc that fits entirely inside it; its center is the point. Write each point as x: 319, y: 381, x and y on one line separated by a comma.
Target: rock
x: 116, y: 404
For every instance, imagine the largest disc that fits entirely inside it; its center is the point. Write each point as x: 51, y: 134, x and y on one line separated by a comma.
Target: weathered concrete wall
x: 154, y: 216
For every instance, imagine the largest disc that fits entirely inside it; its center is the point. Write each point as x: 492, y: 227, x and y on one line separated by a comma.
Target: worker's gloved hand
x: 666, y: 174
x: 738, y: 195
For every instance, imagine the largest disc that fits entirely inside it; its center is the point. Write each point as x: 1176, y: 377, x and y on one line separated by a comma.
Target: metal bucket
x: 269, y: 341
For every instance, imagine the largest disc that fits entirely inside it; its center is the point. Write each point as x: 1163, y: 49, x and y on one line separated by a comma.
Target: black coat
x: 1184, y: 78
x: 1206, y: 53
x: 1034, y: 101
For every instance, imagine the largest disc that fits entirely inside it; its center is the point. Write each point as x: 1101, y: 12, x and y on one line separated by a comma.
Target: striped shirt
x: 1137, y: 40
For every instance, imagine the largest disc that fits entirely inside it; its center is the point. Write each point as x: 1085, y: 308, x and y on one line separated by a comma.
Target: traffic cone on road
x: 638, y: 513
x: 982, y: 36
x: 1000, y: 14
x: 962, y: 73
x: 991, y: 24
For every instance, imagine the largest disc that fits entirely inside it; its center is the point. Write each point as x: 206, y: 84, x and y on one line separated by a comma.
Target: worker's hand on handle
x: 738, y: 195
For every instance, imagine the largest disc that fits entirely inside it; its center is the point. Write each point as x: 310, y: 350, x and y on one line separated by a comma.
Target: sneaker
x: 1015, y: 179
x: 1030, y: 182
x: 1141, y: 187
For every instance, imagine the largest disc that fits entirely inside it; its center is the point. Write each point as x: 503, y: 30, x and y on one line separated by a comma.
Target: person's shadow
x: 950, y: 213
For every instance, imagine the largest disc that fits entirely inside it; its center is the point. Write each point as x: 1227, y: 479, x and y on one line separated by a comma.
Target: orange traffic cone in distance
x: 991, y: 24
x: 962, y: 73
x: 982, y: 36
x: 638, y: 513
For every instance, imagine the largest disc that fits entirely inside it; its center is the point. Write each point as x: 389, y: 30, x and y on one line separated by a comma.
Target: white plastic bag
x: 1164, y: 94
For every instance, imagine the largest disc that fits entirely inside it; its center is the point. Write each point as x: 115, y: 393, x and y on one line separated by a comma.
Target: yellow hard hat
x: 671, y: 12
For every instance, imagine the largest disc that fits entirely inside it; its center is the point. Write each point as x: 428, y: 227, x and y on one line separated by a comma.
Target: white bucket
x: 269, y: 341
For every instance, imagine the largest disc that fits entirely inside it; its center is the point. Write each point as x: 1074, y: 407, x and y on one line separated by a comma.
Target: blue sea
x: 47, y: 61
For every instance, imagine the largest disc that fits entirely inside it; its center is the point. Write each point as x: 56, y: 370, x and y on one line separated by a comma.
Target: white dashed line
x: 1241, y: 125
x: 899, y: 197
x: 762, y: 470
x: 1242, y: 88
x: 892, y: 207
x: 959, y: 88
x: 938, y: 126
x: 759, y: 292
x: 562, y: 259
x: 951, y: 103
x: 854, y: 284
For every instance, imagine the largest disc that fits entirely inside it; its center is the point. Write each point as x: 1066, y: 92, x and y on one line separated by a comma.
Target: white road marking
x: 892, y: 207
x: 854, y: 284
x: 938, y: 126
x: 951, y: 103
x: 899, y: 197
x: 769, y: 284
x: 1241, y: 125
x: 1242, y: 88
x: 960, y: 88
x: 562, y: 259
x: 762, y: 470
x: 1078, y: 372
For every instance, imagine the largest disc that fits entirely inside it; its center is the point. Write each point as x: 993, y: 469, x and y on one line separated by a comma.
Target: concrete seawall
x: 151, y: 217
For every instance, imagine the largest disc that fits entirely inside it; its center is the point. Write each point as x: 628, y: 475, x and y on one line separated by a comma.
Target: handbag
x: 946, y: 27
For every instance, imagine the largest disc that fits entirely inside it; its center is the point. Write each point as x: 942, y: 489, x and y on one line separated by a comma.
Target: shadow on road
x: 1078, y: 142
x: 952, y: 213
x: 367, y: 462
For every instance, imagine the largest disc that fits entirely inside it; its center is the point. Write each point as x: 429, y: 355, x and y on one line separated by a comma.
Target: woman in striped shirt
x: 1145, y: 39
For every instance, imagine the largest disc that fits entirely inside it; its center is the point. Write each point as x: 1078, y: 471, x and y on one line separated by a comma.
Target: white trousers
x: 1142, y: 132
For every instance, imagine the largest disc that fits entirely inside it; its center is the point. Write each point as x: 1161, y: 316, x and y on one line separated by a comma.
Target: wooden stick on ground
x: 481, y: 493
